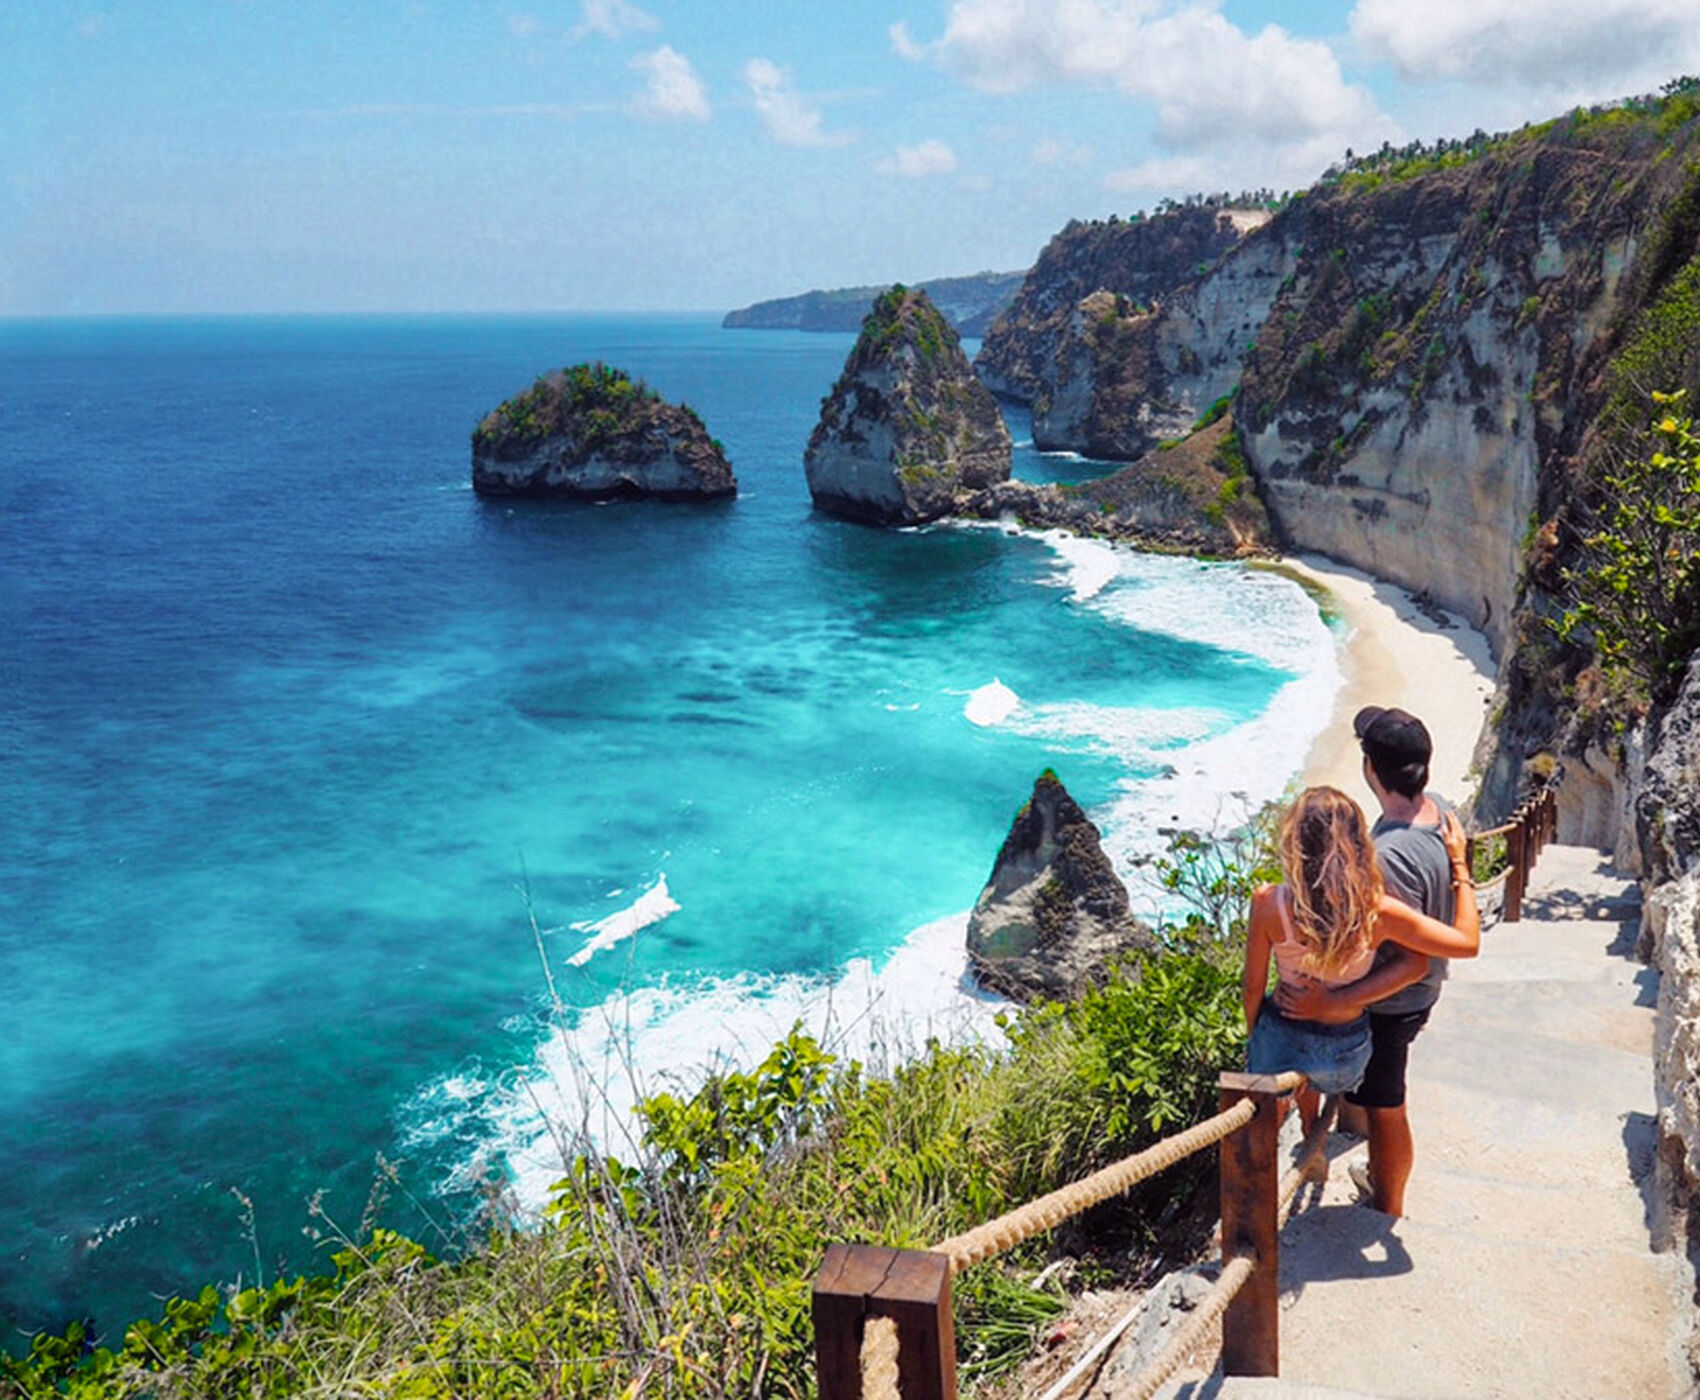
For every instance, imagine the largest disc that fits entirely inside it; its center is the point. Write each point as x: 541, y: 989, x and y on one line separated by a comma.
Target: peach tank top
x: 1293, y: 959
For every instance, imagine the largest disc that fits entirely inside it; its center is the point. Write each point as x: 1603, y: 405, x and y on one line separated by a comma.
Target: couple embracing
x: 1360, y: 931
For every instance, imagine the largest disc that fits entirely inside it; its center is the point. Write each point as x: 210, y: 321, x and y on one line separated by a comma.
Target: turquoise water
x: 297, y: 734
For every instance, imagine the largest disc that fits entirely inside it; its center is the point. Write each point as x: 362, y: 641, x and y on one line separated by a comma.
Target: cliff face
x: 970, y: 304
x: 1667, y: 823
x: 1138, y: 263
x: 1406, y: 354
x: 592, y: 433
x: 1432, y: 347
x: 907, y: 429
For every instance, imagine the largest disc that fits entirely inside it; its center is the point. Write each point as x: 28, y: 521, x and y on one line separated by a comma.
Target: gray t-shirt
x: 1418, y: 872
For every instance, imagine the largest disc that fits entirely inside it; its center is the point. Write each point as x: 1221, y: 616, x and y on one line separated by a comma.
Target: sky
x: 230, y: 156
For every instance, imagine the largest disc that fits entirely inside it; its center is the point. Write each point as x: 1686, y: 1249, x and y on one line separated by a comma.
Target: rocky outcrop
x: 1137, y: 263
x: 1192, y: 496
x: 1667, y: 819
x: 907, y: 430
x: 971, y: 304
x: 1054, y: 915
x: 593, y: 433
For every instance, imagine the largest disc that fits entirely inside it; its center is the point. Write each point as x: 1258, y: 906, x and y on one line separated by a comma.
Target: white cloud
x: 1207, y: 81
x: 918, y: 162
x: 613, y: 19
x: 789, y: 119
x: 1051, y: 151
x: 674, y: 93
x: 1610, y: 47
x: 904, y: 43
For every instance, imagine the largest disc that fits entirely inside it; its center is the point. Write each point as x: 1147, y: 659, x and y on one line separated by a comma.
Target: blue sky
x: 420, y: 155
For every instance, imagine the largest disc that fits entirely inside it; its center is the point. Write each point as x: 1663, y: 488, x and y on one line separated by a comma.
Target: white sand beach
x: 1396, y: 653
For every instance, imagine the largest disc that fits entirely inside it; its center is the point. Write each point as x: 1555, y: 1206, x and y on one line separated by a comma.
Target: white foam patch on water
x: 991, y: 704
x: 650, y: 907
x: 588, y: 1075
x: 109, y: 1231
x: 1088, y: 565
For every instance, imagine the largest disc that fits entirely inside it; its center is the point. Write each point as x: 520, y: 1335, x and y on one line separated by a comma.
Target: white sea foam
x: 588, y: 1075
x: 1089, y: 565
x: 650, y: 907
x: 109, y: 1230
x: 991, y: 704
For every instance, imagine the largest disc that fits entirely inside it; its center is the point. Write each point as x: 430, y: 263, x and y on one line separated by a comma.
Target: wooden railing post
x: 1251, y: 1225
x: 1517, y: 852
x: 857, y: 1282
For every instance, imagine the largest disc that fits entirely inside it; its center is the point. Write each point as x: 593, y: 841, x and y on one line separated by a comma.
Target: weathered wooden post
x: 1251, y: 1344
x: 1517, y: 852
x: 857, y: 1282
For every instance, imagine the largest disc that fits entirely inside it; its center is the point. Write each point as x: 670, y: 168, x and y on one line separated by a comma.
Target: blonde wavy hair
x: 1331, y: 870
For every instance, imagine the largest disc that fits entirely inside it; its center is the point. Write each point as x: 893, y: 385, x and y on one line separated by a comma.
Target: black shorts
x: 1390, y: 1051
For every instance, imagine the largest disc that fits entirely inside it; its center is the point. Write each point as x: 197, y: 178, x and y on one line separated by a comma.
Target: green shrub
x: 1633, y: 596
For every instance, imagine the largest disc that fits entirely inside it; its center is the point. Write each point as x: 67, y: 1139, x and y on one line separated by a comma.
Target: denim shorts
x: 1333, y: 1056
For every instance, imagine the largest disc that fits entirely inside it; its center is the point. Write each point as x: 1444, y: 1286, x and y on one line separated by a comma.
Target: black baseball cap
x: 1395, y: 737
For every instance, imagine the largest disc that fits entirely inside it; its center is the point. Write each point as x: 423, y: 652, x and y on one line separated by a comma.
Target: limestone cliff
x: 1054, y: 916
x: 1667, y: 821
x: 907, y: 429
x: 1135, y: 263
x: 593, y: 433
x: 1415, y: 346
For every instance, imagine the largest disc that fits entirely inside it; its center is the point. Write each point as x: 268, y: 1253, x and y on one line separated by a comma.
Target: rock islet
x: 1053, y: 918
x: 592, y: 432
x: 907, y: 430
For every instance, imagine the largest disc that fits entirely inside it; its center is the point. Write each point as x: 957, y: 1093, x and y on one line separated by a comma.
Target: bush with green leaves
x: 1635, y: 597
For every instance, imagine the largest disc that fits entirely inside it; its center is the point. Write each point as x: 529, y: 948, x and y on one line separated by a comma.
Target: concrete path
x: 1524, y: 1267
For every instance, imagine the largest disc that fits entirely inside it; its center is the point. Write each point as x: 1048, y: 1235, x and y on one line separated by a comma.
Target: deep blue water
x: 289, y: 717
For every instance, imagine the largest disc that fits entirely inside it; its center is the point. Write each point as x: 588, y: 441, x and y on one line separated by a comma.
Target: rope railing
x: 883, y: 1317
x: 984, y: 1242
x: 879, y: 1359
x: 1236, y: 1272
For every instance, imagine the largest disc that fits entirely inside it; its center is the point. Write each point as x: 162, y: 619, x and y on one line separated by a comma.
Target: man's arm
x: 1314, y: 1002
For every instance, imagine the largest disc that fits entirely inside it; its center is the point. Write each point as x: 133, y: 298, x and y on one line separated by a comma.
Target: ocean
x: 318, y: 772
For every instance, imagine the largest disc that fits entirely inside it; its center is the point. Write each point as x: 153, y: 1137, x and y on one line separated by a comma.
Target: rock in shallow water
x: 1054, y: 916
x: 593, y: 433
x: 907, y: 429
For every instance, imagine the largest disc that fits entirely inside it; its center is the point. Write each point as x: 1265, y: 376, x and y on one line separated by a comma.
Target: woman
x: 1324, y: 924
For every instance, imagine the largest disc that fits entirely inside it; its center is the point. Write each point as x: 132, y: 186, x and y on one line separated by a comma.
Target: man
x: 1414, y: 864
